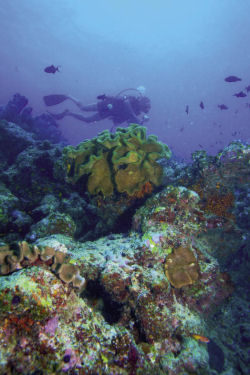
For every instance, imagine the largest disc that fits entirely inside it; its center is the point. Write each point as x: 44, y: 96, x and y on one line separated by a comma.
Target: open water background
x: 180, y: 50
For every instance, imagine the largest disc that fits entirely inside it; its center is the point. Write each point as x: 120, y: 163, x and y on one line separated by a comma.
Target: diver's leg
x: 59, y: 116
x: 87, y: 108
x: 95, y: 117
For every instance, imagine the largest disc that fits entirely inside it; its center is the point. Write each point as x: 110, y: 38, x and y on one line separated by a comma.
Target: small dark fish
x: 248, y: 88
x: 234, y: 134
x: 200, y: 145
x: 181, y: 129
x: 51, y: 69
x: 232, y: 79
x: 202, y: 105
x: 101, y: 97
x: 187, y: 109
x: 240, y: 94
x: 222, y: 107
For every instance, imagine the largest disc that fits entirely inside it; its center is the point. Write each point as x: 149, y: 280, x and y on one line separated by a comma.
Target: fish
x: 240, y: 94
x: 222, y: 107
x: 232, y: 79
x: 51, y: 69
x: 202, y: 105
x: 181, y: 129
x: 187, y: 109
x: 200, y: 338
x: 247, y: 88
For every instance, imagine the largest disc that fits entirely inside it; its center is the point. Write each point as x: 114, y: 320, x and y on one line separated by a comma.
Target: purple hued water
x: 179, y: 51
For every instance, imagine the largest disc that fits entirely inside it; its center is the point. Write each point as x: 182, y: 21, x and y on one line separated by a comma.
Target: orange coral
x: 217, y: 200
x: 146, y: 189
x: 220, y: 204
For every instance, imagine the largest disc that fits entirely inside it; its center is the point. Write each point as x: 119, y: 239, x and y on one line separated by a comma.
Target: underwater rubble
x: 124, y: 275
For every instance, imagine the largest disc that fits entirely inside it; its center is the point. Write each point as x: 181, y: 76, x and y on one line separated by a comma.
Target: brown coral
x: 181, y: 267
x: 67, y: 272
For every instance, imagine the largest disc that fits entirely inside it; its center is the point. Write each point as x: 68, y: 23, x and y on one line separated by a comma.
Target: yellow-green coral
x: 121, y: 162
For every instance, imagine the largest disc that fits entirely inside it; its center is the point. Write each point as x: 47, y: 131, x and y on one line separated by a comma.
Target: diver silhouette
x: 119, y: 108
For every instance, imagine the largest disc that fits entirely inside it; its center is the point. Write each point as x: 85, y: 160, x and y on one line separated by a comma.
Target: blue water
x: 180, y: 51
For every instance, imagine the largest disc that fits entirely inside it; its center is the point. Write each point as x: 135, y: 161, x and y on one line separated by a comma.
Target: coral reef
x: 122, y: 279
x: 122, y: 162
x: 133, y: 277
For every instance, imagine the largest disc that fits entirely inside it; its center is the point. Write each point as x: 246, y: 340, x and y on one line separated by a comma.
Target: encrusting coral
x: 181, y: 267
x: 122, y: 162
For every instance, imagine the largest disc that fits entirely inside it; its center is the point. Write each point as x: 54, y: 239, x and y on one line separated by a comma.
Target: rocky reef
x: 140, y: 275
x: 42, y: 127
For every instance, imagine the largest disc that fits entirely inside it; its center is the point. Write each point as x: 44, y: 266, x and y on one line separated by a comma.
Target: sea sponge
x: 181, y: 267
x: 122, y: 162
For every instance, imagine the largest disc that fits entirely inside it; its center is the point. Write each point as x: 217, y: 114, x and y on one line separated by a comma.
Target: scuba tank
x: 131, y: 89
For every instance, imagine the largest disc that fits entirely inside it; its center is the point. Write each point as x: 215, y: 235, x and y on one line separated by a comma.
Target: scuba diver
x: 119, y: 108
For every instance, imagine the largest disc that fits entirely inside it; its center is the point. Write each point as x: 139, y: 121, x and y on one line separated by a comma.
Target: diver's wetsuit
x: 118, y: 109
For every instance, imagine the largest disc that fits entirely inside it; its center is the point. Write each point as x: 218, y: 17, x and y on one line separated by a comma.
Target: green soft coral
x: 121, y: 162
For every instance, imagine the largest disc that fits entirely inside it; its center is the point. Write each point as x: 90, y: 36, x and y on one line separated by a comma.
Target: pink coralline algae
x: 51, y: 325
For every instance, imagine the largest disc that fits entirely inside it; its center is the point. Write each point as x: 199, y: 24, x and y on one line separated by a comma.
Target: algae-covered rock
x: 54, y: 223
x: 172, y: 209
x: 8, y: 203
x: 13, y: 140
x: 171, y: 222
x: 106, y: 306
x: 136, y: 303
x: 122, y: 162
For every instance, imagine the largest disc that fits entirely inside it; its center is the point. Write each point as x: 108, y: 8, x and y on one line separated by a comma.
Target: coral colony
x: 115, y: 263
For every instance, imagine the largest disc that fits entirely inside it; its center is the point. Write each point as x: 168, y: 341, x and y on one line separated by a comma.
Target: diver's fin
x: 54, y: 99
